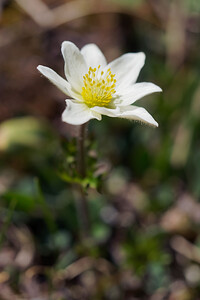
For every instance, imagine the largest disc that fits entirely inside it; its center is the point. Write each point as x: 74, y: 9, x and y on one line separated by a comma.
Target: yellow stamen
x: 99, y: 87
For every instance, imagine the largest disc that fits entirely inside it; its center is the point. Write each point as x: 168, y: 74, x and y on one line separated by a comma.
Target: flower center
x: 99, y: 87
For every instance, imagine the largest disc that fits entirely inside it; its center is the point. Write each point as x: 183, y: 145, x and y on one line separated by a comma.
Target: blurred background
x: 144, y: 199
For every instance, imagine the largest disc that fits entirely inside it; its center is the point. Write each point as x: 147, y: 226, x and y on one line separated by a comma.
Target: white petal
x: 138, y: 114
x: 127, y: 68
x: 75, y: 65
x: 93, y: 56
x: 78, y: 113
x: 137, y: 91
x: 110, y: 112
x: 56, y: 79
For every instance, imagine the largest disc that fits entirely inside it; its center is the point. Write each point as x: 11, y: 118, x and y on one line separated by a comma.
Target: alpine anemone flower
x: 95, y: 87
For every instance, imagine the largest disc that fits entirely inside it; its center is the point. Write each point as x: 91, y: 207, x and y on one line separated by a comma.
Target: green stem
x: 7, y: 221
x: 81, y: 150
x: 81, y: 201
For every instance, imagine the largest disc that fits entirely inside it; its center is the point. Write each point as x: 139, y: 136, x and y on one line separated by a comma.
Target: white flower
x: 95, y: 88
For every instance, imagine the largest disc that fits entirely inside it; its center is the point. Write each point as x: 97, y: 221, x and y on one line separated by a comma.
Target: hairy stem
x: 81, y: 150
x: 81, y: 201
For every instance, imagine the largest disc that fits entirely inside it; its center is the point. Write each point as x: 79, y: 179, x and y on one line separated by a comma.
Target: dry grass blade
x: 72, y: 10
x: 38, y: 11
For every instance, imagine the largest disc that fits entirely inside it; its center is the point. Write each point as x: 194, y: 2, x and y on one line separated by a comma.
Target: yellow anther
x: 98, y: 90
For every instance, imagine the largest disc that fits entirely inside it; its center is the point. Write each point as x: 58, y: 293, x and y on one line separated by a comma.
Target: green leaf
x: 24, y: 131
x: 24, y: 203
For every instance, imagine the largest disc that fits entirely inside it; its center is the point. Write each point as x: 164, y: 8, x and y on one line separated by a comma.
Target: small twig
x: 81, y: 265
x: 185, y: 248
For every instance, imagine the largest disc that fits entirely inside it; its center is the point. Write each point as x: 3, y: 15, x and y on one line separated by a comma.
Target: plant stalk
x: 81, y: 201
